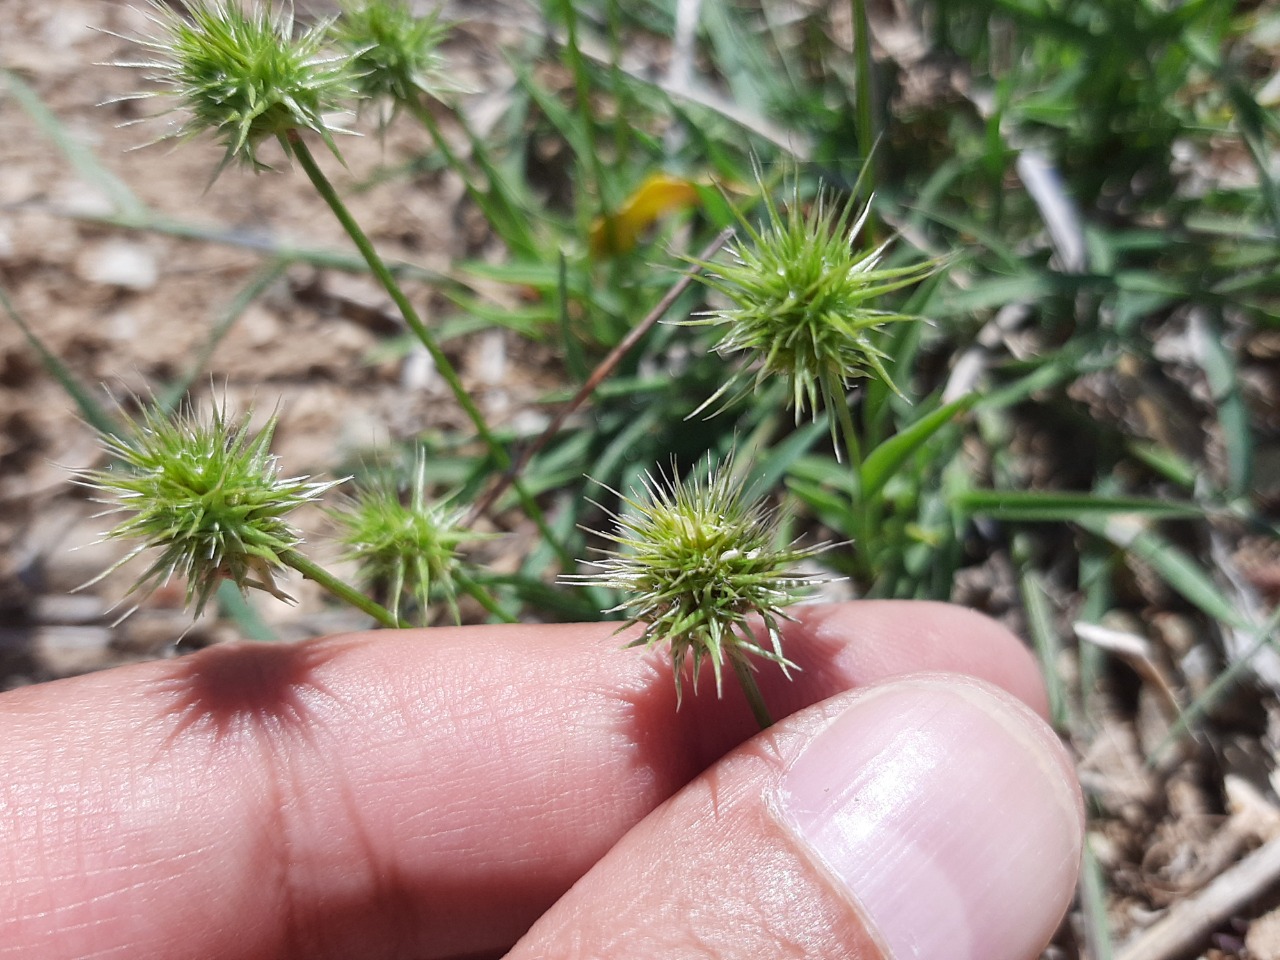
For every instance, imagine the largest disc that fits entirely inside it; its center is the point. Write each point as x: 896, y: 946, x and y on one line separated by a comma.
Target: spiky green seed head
x: 395, y: 55
x: 802, y: 303
x: 700, y: 565
x: 205, y: 492
x: 404, y: 543
x: 245, y: 74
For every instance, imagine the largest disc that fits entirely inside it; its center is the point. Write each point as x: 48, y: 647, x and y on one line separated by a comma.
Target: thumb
x: 931, y: 817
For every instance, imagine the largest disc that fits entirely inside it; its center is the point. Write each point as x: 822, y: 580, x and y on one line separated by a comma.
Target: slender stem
x: 366, y: 248
x: 865, y: 87
x: 837, y: 401
x: 379, y: 269
x: 593, y: 171
x: 343, y: 591
x: 747, y: 680
x: 482, y: 597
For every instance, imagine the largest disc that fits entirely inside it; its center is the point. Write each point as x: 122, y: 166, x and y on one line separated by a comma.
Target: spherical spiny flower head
x: 244, y: 75
x: 406, y: 545
x: 206, y: 492
x: 701, y: 568
x: 395, y: 55
x: 802, y: 302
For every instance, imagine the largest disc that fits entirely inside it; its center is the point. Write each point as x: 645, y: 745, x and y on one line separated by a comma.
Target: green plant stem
x: 747, y: 680
x: 482, y: 597
x: 864, y: 92
x: 594, y: 170
x: 853, y: 451
x: 343, y: 591
x: 379, y: 269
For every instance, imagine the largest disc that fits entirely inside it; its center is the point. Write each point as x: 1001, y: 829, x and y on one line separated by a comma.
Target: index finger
x: 410, y: 793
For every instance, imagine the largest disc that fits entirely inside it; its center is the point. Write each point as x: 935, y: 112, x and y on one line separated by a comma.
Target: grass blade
x: 1173, y: 565
x: 81, y: 157
x: 883, y: 462
x: 90, y: 409
x: 1036, y: 506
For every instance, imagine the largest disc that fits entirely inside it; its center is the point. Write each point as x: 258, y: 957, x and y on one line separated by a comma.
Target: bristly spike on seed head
x: 697, y: 562
x: 405, y: 542
x: 204, y: 491
x: 244, y: 74
x: 801, y: 302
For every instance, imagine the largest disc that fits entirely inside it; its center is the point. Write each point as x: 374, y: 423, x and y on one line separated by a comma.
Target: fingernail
x: 946, y: 814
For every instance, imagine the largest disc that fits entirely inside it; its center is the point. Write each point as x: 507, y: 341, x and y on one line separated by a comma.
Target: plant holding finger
x: 700, y: 564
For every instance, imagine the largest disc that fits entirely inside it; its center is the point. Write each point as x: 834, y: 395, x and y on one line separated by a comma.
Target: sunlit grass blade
x: 882, y: 462
x: 1035, y: 506
x: 1179, y: 570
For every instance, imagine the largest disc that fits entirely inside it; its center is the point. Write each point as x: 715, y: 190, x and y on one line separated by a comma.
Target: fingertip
x: 870, y: 641
x: 933, y: 817
x: 948, y: 814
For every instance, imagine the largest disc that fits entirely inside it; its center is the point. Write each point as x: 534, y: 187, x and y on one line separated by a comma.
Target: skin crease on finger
x: 386, y: 794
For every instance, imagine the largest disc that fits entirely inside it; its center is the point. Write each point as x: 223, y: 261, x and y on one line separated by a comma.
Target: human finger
x: 931, y: 817
x: 397, y: 793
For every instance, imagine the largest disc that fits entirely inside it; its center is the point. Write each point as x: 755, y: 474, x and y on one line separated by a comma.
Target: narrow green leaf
x: 1047, y: 643
x: 569, y: 342
x: 778, y: 461
x: 1233, y: 414
x: 90, y: 409
x: 233, y: 605
x: 1222, y: 684
x: 1035, y: 506
x: 80, y: 156
x: 883, y: 462
x: 1093, y: 903
x: 1171, y: 563
x: 831, y: 507
x: 1167, y: 463
x: 263, y: 278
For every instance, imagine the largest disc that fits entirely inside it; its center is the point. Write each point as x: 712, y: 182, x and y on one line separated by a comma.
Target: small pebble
x: 118, y: 263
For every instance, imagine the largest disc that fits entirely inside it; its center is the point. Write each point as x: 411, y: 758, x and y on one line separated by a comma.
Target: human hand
x: 396, y: 794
